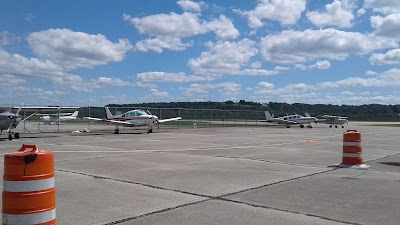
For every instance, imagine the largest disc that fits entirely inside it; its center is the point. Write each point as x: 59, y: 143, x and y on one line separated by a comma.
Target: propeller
x: 154, y: 118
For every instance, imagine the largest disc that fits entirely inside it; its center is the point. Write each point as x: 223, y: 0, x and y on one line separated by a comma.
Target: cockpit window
x: 141, y: 112
x: 132, y: 114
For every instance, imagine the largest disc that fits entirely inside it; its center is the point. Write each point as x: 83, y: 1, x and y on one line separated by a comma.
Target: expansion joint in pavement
x: 207, y: 197
x: 288, y: 211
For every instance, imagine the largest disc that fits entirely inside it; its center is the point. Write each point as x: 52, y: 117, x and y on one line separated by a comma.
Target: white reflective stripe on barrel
x: 352, y: 155
x: 351, y: 144
x: 34, y: 218
x: 28, y: 186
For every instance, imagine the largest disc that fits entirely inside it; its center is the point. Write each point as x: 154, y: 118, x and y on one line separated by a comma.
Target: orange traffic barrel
x: 29, y: 194
x: 352, y: 150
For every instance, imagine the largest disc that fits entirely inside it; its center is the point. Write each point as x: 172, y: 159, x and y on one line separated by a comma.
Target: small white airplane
x: 333, y: 120
x: 289, y: 120
x: 58, y: 118
x: 10, y: 120
x: 132, y: 118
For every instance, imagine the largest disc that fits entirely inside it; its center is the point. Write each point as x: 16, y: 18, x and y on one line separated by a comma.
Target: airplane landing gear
x: 330, y: 126
x: 301, y: 125
x: 116, y: 131
x: 335, y: 126
x: 10, y: 135
x: 309, y: 126
x: 342, y: 126
x: 149, y: 131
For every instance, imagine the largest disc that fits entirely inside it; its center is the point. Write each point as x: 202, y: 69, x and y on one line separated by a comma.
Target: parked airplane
x: 10, y: 120
x: 290, y: 120
x: 58, y: 118
x: 332, y: 120
x: 132, y: 118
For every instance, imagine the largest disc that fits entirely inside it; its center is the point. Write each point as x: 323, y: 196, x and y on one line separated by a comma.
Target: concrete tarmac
x: 236, y: 175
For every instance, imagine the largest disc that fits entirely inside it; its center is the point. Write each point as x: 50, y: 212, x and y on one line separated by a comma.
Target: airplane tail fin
x: 109, y: 114
x: 19, y: 110
x: 267, y: 115
x: 75, y: 114
x: 307, y: 114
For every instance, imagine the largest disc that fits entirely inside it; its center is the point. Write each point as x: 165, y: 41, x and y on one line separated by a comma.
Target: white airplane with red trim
x: 132, y: 118
x: 290, y: 120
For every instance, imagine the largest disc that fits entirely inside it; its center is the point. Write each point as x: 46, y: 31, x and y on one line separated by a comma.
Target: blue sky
x: 101, y: 52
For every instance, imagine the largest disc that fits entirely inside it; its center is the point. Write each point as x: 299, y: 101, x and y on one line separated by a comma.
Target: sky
x: 94, y: 53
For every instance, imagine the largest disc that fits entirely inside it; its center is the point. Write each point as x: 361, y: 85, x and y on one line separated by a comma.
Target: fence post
x: 223, y: 119
x: 210, y: 118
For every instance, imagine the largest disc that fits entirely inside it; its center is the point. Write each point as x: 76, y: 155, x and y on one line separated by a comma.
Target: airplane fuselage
x: 7, y: 119
x: 136, y: 121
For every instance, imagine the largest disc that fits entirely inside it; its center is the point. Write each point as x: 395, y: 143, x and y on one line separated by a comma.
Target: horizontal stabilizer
x: 170, y: 119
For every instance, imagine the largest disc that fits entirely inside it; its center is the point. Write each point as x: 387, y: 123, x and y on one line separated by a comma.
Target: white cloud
x: 182, y: 25
x: 339, y: 13
x: 73, y: 50
x: 300, y: 66
x: 223, y: 58
x: 301, y: 92
x: 108, y: 82
x: 383, y: 6
x: 287, y: 12
x: 10, y: 81
x: 361, y: 12
x: 6, y: 38
x: 172, y: 25
x: 156, y: 77
x: 301, y: 46
x: 223, y: 28
x: 168, y: 29
x: 322, y: 65
x: 256, y: 65
x: 226, y: 89
x: 388, y: 26
x: 282, y: 68
x: 389, y: 58
x: 257, y: 72
x: 188, y: 5
x: 371, y: 73
x: 158, y: 94
x: 18, y: 65
x: 159, y: 43
x: 347, y: 93
x: 265, y: 86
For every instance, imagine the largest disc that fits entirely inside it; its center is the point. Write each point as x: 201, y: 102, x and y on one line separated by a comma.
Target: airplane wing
x: 47, y: 108
x: 170, y: 119
x: 287, y: 122
x: 116, y: 122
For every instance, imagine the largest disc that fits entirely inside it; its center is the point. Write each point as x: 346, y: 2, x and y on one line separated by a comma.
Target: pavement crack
x: 286, y: 210
x: 155, y: 212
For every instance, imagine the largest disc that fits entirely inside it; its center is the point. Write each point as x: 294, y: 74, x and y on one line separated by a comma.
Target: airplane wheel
x: 16, y: 135
x: 342, y: 126
x: 116, y: 131
x: 330, y: 126
x: 10, y: 137
x: 302, y: 126
x: 150, y: 130
x: 335, y: 126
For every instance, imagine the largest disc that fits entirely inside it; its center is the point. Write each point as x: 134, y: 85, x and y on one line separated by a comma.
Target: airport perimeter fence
x: 191, y: 118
